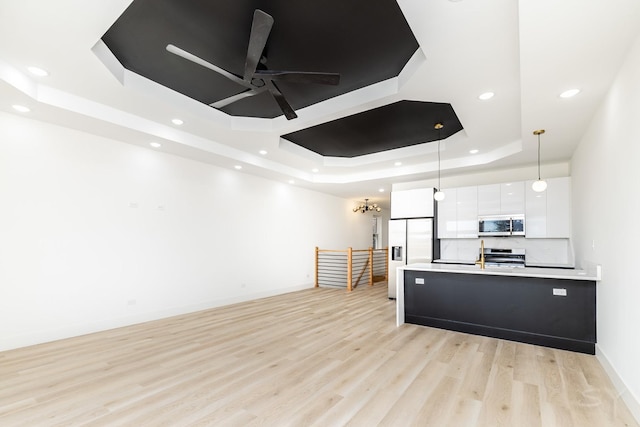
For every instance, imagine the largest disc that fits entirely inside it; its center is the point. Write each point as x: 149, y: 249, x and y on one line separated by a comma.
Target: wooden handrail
x: 352, y: 250
x: 347, y: 250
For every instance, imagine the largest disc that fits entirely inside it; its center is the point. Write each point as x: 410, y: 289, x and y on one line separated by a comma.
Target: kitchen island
x: 543, y: 306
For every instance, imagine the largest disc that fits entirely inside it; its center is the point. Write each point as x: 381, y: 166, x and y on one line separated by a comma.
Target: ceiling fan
x: 257, y: 80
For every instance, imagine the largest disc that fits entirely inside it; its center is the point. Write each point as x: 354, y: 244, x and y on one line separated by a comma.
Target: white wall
x: 606, y: 213
x: 96, y: 233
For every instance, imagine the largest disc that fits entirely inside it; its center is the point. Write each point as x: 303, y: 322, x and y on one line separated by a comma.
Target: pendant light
x: 540, y: 185
x: 438, y: 195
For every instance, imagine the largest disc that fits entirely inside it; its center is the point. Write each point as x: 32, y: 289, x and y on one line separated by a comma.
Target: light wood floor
x: 318, y: 357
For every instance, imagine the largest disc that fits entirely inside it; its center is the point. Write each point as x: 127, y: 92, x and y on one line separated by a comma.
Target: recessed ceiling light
x: 177, y: 122
x: 263, y: 152
x: 381, y: 190
x: 291, y: 181
x: 485, y: 96
x: 474, y: 151
x: 238, y: 167
x: 315, y: 170
x: 397, y: 164
x: 155, y: 144
x: 569, y: 93
x: 36, y: 71
x: 21, y: 108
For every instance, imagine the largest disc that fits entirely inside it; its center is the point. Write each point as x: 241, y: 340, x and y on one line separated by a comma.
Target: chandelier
x: 367, y: 207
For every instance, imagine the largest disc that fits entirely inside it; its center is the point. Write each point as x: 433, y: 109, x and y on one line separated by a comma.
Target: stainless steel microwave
x: 501, y: 225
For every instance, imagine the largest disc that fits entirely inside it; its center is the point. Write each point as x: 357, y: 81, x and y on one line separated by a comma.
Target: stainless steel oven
x: 504, y: 257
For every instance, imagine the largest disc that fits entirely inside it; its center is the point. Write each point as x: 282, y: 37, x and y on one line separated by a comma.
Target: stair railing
x: 346, y: 268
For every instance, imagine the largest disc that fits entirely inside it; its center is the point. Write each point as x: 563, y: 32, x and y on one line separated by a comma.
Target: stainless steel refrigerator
x: 410, y: 241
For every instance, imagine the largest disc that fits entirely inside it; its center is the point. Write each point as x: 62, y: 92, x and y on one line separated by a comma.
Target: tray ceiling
x: 397, y: 125
x: 365, y: 44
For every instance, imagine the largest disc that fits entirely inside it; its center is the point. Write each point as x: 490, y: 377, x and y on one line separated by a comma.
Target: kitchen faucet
x: 480, y: 261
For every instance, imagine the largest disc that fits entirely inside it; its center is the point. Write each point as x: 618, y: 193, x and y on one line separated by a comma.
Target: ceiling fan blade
x: 191, y: 57
x: 282, y: 102
x: 230, y: 100
x: 260, y: 29
x: 299, y: 76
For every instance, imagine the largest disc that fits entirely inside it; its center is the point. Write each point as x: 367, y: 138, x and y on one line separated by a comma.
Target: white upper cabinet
x: 535, y: 215
x: 548, y: 214
x: 559, y: 207
x: 458, y: 213
x: 447, y: 223
x: 501, y: 199
x: 415, y: 203
x: 467, y: 212
x: 489, y: 199
x: 512, y: 198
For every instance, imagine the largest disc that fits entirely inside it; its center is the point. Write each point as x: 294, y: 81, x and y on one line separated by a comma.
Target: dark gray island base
x: 547, y: 311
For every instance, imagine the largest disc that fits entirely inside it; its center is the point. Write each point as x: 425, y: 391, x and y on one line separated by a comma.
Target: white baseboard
x: 632, y: 402
x: 75, y: 330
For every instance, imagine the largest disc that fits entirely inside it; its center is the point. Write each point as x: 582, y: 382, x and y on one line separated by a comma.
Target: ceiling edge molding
x: 353, y: 102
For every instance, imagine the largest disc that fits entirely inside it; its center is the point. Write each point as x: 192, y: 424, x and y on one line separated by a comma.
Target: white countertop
x: 548, y: 273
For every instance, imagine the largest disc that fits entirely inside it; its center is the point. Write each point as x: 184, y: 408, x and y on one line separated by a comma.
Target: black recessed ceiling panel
x: 392, y: 126
x: 365, y: 42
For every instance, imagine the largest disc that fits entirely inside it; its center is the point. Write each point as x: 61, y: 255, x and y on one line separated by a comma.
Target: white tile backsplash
x: 538, y: 251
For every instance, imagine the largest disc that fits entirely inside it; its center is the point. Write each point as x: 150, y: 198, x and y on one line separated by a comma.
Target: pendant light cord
x: 538, y: 157
x: 438, y: 160
x: 439, y: 126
